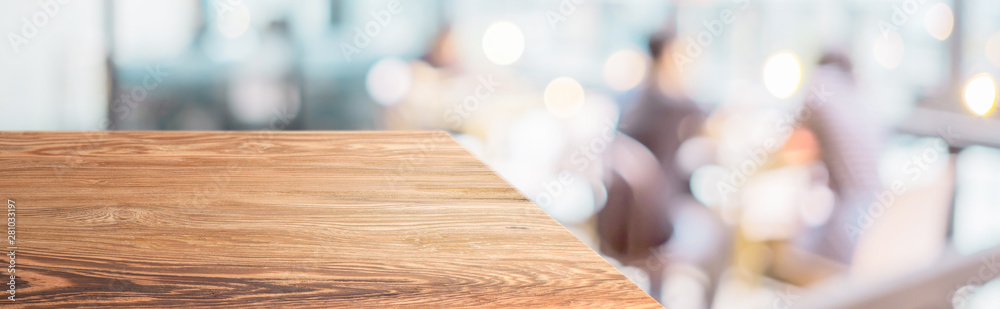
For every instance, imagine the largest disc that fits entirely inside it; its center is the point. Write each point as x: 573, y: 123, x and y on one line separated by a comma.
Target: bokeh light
x: 575, y: 203
x: 770, y: 203
x: 597, y: 114
x: 981, y: 94
x: 939, y: 21
x: 235, y: 22
x: 889, y: 49
x: 817, y: 206
x: 704, y: 184
x: 503, y: 43
x: 564, y: 96
x: 993, y: 49
x: 625, y: 69
x: 782, y: 75
x: 389, y: 81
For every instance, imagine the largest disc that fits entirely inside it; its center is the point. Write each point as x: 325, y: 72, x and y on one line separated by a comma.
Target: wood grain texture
x: 289, y: 219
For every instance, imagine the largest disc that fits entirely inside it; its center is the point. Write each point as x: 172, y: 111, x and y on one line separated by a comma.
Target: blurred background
x: 720, y: 153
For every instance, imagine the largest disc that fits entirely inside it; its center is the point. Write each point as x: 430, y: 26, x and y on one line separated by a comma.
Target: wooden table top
x: 283, y: 219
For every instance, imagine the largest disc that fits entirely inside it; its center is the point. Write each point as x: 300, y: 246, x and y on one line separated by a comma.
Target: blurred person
x: 439, y: 79
x: 265, y: 92
x: 646, y: 188
x: 442, y: 52
x: 848, y: 142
